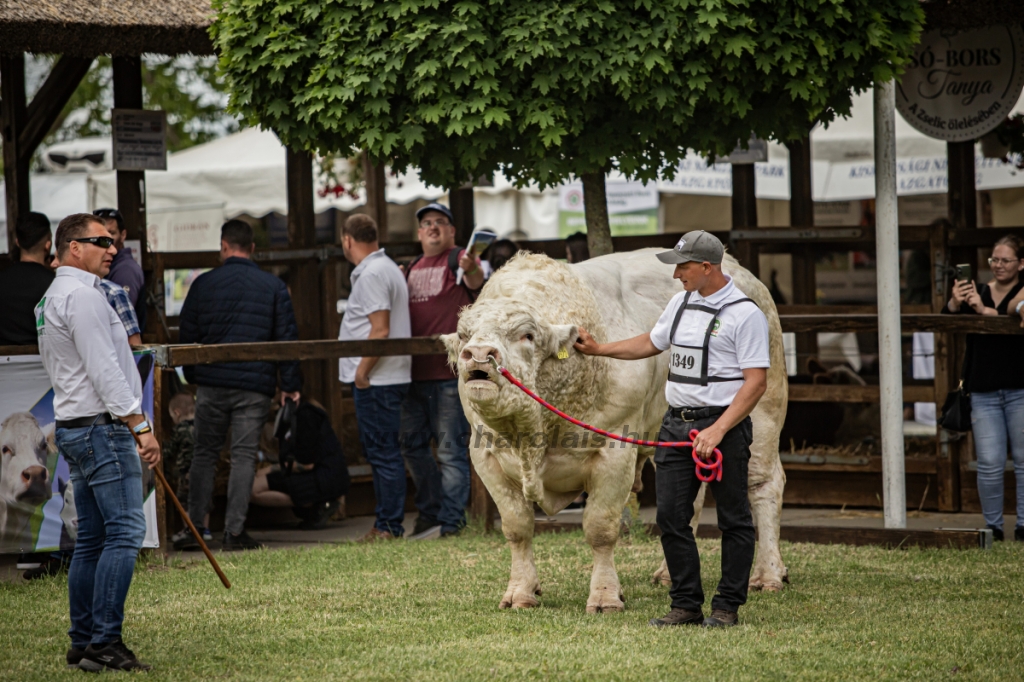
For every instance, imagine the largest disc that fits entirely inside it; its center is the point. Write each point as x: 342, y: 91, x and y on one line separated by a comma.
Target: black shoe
x: 451, y: 532
x: 186, y: 542
x: 74, y: 657
x: 423, y: 524
x: 721, y: 619
x: 47, y: 567
x: 234, y: 543
x: 316, y: 517
x: 678, y: 617
x: 1018, y: 534
x: 997, y: 533
x: 113, y: 656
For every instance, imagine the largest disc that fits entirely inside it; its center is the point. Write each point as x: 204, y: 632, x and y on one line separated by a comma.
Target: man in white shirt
x: 97, y: 403
x: 378, y: 308
x: 718, y: 370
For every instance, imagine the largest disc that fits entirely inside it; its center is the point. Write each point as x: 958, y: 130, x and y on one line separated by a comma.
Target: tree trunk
x: 595, y: 207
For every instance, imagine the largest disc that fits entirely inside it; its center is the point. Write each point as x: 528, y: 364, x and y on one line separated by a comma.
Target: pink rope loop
x: 715, y: 467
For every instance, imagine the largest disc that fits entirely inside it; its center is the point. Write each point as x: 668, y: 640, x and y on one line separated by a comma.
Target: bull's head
x: 517, y: 337
x: 24, y: 478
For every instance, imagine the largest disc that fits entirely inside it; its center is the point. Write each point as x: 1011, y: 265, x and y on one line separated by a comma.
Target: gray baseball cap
x: 699, y: 246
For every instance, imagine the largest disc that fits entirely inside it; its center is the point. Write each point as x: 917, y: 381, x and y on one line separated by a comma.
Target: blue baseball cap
x: 440, y: 208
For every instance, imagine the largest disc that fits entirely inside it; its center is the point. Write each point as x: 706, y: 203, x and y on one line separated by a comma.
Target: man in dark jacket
x: 235, y: 303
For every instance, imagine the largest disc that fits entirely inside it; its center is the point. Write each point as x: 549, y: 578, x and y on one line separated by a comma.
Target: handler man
x: 718, y: 370
x: 97, y: 398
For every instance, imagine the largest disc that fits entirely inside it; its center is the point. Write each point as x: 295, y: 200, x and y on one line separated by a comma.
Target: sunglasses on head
x: 102, y: 242
x: 107, y: 213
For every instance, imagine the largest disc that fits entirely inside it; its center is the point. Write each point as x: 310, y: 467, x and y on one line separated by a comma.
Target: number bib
x: 689, y: 364
x: 685, y: 363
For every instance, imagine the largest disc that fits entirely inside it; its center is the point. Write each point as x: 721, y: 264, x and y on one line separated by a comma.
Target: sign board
x: 140, y: 141
x: 632, y: 208
x: 962, y: 84
x: 185, y: 228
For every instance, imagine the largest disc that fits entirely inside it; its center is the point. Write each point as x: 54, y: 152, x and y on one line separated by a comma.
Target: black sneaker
x: 451, y: 532
x: 113, y: 656
x: 74, y: 657
x: 720, y: 618
x: 997, y: 533
x: 423, y: 524
x: 235, y: 543
x: 186, y: 542
x: 678, y: 617
x: 1018, y: 534
x: 318, y: 516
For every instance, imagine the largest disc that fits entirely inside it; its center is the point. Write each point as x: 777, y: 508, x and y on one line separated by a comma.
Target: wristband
x: 470, y: 272
x: 141, y: 428
x: 1020, y: 305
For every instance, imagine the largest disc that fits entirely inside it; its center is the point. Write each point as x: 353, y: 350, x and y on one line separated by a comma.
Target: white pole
x: 889, y: 349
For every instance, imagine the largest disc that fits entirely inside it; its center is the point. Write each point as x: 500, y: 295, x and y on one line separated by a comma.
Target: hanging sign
x: 632, y: 208
x: 960, y: 85
x: 140, y: 140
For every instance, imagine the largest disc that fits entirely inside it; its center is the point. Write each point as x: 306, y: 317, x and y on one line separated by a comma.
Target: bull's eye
x: 7, y: 450
x: 528, y: 336
x: 462, y: 338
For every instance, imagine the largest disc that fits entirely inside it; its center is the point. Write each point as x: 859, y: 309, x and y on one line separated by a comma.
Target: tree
x: 544, y: 90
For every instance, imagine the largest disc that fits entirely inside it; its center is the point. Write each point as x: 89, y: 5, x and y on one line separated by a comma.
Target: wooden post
x: 461, y: 203
x: 376, y: 200
x: 16, y: 164
x: 161, y: 397
x: 963, y: 195
x: 131, y: 185
x: 801, y: 214
x: 305, y: 277
x: 744, y: 215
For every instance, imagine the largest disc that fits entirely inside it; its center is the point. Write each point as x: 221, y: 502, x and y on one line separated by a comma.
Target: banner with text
x: 632, y: 208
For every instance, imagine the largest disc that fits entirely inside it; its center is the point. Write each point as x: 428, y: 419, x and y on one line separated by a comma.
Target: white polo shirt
x: 377, y: 284
x: 85, y: 350
x: 739, y: 343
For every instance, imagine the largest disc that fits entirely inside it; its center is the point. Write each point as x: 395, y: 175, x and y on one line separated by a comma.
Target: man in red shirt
x: 432, y: 409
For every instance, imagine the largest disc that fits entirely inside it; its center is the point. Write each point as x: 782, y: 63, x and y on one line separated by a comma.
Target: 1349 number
x: 683, y: 361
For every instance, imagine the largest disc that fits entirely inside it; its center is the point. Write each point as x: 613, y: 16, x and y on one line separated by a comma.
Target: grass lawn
x: 428, y: 610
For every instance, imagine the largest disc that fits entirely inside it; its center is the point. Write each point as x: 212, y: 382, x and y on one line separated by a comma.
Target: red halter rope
x: 713, y: 468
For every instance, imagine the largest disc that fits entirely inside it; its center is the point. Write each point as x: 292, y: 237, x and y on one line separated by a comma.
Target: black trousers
x: 677, y: 486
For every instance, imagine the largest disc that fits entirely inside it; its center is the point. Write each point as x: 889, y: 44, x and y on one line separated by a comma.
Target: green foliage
x: 543, y: 89
x: 187, y: 88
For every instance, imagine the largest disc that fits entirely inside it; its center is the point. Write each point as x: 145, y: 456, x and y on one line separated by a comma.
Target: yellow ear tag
x: 563, y: 353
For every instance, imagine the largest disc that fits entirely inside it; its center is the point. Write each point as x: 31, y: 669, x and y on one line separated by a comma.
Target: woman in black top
x: 994, y: 377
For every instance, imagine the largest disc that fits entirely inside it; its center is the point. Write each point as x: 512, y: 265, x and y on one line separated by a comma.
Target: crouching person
x: 313, y: 473
x: 97, y: 404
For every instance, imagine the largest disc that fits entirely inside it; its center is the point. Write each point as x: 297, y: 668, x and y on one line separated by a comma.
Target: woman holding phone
x: 994, y: 378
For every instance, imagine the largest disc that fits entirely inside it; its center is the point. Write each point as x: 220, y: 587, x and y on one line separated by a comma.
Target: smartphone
x: 963, y: 272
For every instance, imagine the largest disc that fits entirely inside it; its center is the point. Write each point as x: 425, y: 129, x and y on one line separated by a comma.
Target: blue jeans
x: 378, y: 411
x: 107, y: 476
x: 997, y: 418
x: 433, y: 410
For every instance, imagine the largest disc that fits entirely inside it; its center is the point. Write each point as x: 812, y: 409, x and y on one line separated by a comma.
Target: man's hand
x: 586, y: 344
x: 149, y: 449
x: 362, y: 380
x: 707, y: 440
x: 295, y: 395
x: 468, y: 262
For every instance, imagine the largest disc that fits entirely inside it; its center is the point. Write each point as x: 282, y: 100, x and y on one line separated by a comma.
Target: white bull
x: 24, y: 478
x: 526, y: 317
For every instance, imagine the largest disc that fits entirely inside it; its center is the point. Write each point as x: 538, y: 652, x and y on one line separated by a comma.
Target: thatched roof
x: 89, y: 28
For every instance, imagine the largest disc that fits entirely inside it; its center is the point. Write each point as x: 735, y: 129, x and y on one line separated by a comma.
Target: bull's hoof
x: 603, y: 602
x: 520, y: 598
x: 765, y: 584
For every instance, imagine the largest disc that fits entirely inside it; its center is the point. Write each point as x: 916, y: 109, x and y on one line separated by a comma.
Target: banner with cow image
x: 37, y: 506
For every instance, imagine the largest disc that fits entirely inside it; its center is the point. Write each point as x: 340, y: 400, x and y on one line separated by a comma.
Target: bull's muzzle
x: 477, y: 363
x: 35, y: 479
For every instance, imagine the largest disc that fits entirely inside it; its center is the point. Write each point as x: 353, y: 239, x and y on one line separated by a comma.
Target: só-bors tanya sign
x: 962, y: 84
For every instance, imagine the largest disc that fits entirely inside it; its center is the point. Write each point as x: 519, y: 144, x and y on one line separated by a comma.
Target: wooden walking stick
x: 188, y: 521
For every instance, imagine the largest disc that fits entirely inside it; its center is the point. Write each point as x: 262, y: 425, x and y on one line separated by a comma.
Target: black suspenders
x: 704, y: 378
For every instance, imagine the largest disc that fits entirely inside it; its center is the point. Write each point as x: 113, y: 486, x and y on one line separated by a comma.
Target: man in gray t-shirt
x: 378, y: 308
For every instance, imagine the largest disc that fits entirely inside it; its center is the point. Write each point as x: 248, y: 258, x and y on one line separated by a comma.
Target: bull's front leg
x: 517, y: 525
x: 608, y: 491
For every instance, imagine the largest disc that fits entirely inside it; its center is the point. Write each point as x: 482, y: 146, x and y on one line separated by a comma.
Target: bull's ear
x: 453, y: 345
x: 562, y: 338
